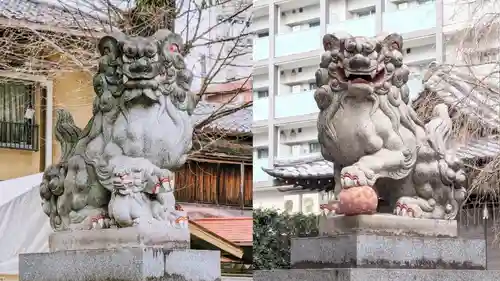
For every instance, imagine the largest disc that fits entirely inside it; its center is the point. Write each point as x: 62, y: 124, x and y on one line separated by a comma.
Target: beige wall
x: 9, y: 277
x: 71, y: 91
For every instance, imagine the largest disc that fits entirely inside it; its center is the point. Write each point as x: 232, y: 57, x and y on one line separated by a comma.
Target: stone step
x: 375, y: 274
x: 386, y: 224
x: 379, y: 251
x: 123, y: 264
x: 156, y: 235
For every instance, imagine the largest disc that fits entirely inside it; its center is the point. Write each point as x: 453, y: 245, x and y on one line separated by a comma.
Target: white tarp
x: 24, y: 228
x: 10, y: 189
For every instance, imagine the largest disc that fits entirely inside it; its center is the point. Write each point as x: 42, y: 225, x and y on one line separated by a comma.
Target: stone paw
x: 158, y: 211
x: 354, y: 176
x: 99, y: 222
x: 408, y: 207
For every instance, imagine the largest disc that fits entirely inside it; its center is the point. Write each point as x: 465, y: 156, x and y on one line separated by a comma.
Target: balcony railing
x: 18, y: 135
x: 260, y: 109
x: 403, y: 21
x: 260, y: 48
x: 258, y: 174
x: 357, y: 27
x: 298, y: 42
x: 289, y: 105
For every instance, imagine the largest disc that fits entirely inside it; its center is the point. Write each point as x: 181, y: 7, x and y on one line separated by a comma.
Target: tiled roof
x: 237, y: 122
x: 236, y: 230
x: 42, y: 13
x: 316, y: 167
x: 310, y: 167
x: 480, y: 148
x: 241, y: 85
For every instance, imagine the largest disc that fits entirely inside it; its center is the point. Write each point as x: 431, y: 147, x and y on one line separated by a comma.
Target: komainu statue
x: 374, y: 138
x: 115, y: 172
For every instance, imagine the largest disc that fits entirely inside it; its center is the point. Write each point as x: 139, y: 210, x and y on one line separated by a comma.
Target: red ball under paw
x: 359, y: 200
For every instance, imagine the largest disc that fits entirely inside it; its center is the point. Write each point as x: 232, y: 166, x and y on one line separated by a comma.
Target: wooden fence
x: 214, y: 183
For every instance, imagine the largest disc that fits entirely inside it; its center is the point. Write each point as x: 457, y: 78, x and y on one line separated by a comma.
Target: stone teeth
x: 373, y: 73
x: 347, y: 73
x: 125, y: 79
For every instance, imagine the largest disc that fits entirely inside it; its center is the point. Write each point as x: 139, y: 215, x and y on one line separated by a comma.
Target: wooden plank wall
x: 214, y: 183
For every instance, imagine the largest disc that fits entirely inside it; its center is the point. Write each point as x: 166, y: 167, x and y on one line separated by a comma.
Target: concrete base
x: 384, y: 248
x: 376, y: 251
x: 125, y: 264
x: 386, y: 224
x: 375, y: 274
x: 154, y: 235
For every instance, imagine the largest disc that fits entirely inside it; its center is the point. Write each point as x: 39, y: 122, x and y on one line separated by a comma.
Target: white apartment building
x: 286, y: 54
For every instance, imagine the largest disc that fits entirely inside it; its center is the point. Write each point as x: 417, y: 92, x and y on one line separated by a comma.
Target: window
x: 17, y: 115
x: 314, y: 147
x: 263, y: 34
x: 262, y: 153
x: 296, y: 89
x: 296, y: 150
x: 308, y: 206
x: 314, y: 24
x: 289, y: 206
x: 402, y: 6
x: 362, y: 14
x: 296, y: 28
x: 482, y: 57
x: 490, y: 56
x: 262, y: 94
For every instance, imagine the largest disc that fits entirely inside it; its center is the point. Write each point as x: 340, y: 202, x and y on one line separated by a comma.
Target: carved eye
x: 129, y: 51
x: 150, y: 51
x: 334, y: 83
x: 368, y: 47
x: 350, y: 46
x: 174, y: 48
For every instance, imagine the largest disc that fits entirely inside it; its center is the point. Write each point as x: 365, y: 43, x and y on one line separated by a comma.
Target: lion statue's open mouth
x: 373, y: 77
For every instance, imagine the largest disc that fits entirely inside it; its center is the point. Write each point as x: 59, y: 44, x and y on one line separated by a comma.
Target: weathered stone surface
x: 375, y: 251
x: 375, y: 274
x: 126, y: 264
x: 156, y: 235
x: 363, y: 101
x: 116, y: 171
x: 385, y: 224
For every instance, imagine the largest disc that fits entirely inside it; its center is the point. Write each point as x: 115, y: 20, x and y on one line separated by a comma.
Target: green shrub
x: 272, y: 231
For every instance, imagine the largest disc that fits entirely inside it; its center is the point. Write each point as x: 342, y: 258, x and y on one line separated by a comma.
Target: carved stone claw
x: 404, y: 210
x: 353, y: 176
x: 99, y: 222
x: 409, y: 207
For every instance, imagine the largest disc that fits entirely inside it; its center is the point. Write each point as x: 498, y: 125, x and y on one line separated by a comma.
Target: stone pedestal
x: 130, y: 254
x: 383, y: 248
